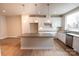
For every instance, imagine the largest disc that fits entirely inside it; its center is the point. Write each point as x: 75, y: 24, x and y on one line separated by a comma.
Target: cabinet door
x: 76, y: 44
x: 59, y: 36
x: 63, y: 38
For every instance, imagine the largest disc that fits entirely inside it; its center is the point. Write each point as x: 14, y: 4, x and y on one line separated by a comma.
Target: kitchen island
x: 37, y: 41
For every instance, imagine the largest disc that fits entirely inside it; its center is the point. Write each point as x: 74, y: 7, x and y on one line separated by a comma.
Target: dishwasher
x: 69, y: 41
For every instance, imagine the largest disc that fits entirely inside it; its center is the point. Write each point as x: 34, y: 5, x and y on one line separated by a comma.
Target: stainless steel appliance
x: 69, y: 40
x: 33, y: 27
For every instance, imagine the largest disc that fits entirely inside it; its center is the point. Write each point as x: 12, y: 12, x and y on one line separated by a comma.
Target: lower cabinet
x: 76, y: 43
x: 62, y: 37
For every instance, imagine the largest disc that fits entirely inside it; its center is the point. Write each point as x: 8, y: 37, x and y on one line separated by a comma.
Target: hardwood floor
x: 11, y: 47
x: 0, y: 50
x: 0, y: 47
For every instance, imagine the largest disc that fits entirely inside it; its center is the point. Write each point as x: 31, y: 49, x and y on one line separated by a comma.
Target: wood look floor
x: 11, y: 47
x: 0, y: 48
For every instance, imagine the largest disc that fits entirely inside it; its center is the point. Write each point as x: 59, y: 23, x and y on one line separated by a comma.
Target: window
x: 72, y: 22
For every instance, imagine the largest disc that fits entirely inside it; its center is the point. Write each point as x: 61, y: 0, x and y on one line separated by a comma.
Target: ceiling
x: 40, y: 8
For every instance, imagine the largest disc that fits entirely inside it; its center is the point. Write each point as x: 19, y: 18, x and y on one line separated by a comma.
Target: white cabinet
x: 62, y: 36
x: 76, y: 43
x: 36, y: 43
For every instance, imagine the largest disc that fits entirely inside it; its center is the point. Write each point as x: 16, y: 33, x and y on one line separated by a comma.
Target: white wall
x: 10, y: 26
x: 2, y: 27
x: 13, y: 26
x: 56, y: 22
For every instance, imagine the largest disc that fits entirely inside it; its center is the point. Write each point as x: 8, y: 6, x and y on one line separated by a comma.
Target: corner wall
x: 3, y: 27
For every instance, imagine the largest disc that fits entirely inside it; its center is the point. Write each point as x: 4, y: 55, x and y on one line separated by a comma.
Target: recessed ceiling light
x: 3, y: 11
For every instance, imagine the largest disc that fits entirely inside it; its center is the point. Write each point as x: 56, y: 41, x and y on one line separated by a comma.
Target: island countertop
x: 38, y: 35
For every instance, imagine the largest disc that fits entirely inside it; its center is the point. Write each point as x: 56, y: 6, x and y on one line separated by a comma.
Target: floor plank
x: 0, y: 47
x: 11, y: 47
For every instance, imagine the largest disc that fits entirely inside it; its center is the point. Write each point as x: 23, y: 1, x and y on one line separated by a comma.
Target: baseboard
x: 12, y: 37
x: 3, y: 37
x: 9, y: 37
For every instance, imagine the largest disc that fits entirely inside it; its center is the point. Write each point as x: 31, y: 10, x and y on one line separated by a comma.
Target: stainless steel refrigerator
x: 33, y: 27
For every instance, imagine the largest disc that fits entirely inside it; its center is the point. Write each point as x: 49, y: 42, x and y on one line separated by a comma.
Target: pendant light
x: 48, y: 15
x: 36, y: 19
x: 23, y: 7
x: 23, y: 12
x: 48, y: 10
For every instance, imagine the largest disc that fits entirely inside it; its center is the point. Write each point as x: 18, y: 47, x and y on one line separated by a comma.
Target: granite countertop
x: 37, y: 35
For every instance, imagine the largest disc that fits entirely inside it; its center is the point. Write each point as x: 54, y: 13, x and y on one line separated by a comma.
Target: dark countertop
x: 73, y: 34
x: 37, y: 35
